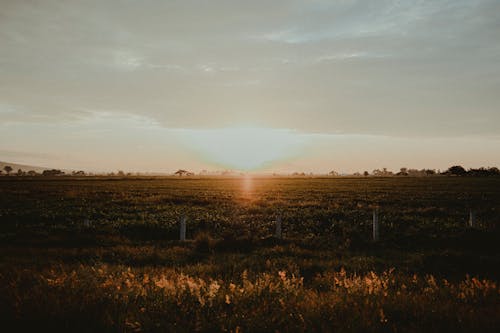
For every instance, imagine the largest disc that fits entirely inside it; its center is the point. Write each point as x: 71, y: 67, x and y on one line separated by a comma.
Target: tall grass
x: 122, y: 299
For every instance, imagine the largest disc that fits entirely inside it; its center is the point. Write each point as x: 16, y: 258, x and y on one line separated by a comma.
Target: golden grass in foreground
x: 118, y: 298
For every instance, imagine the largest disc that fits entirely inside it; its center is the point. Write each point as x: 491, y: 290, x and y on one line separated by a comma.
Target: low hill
x: 16, y: 166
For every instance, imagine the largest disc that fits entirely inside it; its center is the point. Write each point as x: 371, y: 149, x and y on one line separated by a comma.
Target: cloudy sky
x: 256, y: 85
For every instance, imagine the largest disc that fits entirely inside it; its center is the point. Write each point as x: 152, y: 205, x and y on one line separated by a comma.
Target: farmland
x: 103, y: 254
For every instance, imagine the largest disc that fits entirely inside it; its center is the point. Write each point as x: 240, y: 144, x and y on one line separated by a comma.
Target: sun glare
x: 244, y: 148
x: 247, y: 186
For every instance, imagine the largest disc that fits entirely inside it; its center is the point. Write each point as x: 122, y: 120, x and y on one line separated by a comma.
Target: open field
x: 102, y: 254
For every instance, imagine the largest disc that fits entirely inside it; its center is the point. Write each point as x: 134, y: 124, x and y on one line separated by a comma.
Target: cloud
x: 8, y: 155
x: 397, y: 68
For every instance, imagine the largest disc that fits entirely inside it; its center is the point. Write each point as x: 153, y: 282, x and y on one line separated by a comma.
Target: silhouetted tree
x: 484, y: 172
x: 402, y: 172
x: 494, y: 171
x: 366, y: 173
x: 382, y: 173
x: 182, y: 172
x: 456, y: 170
x: 7, y: 169
x: 52, y: 172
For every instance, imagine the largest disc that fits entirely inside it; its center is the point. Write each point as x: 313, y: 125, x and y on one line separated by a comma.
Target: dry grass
x: 119, y: 298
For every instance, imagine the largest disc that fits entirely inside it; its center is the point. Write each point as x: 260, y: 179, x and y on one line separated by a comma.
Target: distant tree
x: 121, y: 173
x: 415, y: 172
x: 52, y: 172
x: 366, y: 173
x: 456, y: 170
x: 31, y: 173
x: 477, y: 172
x: 7, y: 169
x: 494, y: 171
x: 484, y: 172
x: 382, y: 173
x: 20, y: 172
x: 402, y: 172
x: 182, y: 172
x: 333, y: 173
x: 78, y: 173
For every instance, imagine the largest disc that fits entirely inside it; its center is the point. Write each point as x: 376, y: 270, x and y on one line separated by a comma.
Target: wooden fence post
x: 278, y: 232
x: 183, y: 228
x: 472, y: 218
x: 375, y: 225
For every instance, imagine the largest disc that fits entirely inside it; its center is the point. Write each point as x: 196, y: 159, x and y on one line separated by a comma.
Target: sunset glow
x: 244, y: 148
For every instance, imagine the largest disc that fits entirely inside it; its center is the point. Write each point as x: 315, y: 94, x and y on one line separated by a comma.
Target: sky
x: 276, y: 86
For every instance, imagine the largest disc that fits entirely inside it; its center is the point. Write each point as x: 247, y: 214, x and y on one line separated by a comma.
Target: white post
x: 278, y: 226
x: 375, y: 225
x: 183, y: 228
x: 471, y: 218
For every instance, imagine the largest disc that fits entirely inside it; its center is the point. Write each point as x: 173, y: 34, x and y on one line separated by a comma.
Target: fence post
x: 278, y: 232
x: 183, y: 228
x: 87, y: 223
x: 375, y: 225
x: 472, y: 218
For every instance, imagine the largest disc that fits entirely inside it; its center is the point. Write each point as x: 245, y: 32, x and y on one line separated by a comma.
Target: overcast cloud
x: 415, y: 69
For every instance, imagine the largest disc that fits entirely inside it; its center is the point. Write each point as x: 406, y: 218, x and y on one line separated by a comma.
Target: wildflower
x: 213, y: 289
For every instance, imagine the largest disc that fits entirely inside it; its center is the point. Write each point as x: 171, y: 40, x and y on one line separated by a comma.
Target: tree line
x: 49, y: 172
x: 456, y: 170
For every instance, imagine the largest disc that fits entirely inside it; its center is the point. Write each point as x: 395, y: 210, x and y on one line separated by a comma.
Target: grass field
x: 102, y: 254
